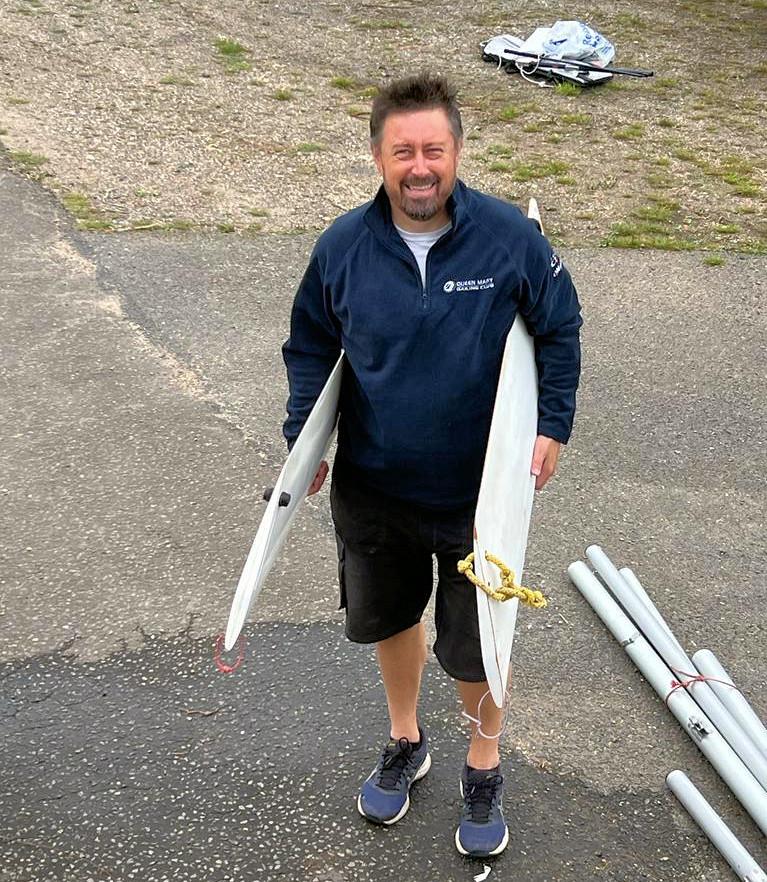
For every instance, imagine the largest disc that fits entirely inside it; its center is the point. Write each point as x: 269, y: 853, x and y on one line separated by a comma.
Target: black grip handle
x: 284, y: 500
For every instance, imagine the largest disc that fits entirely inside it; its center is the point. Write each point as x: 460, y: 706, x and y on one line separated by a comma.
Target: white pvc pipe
x: 681, y: 665
x: 713, y: 826
x: 697, y: 725
x: 731, y: 697
x: 636, y: 586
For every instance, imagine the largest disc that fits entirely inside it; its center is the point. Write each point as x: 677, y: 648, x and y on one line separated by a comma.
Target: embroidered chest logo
x: 459, y: 285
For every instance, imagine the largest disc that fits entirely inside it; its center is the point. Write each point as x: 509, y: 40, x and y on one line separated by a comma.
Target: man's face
x: 418, y: 159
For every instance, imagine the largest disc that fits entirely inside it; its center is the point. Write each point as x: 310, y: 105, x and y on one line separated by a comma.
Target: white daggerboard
x: 505, y: 503
x: 294, y: 480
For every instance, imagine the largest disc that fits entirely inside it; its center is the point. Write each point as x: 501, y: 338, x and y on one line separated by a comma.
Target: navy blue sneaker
x: 482, y: 831
x: 385, y: 796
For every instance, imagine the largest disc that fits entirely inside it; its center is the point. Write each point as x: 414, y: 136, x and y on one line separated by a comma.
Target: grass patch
x: 28, y: 161
x: 535, y: 169
x: 283, y: 94
x: 667, y: 123
x: 727, y: 229
x: 87, y: 216
x: 500, y: 166
x: 358, y: 112
x: 500, y: 150
x: 568, y: 90
x: 232, y: 55
x: 175, y: 80
x: 258, y: 212
x: 509, y: 113
x: 649, y: 226
x: 382, y: 24
x: 225, y: 227
x: 713, y: 260
x: 13, y: 101
x: 576, y: 119
x: 629, y: 133
x: 737, y: 172
x: 349, y: 84
x: 308, y: 147
x: 533, y: 127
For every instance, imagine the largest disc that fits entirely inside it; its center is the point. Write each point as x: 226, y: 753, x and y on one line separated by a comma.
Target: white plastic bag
x: 574, y: 39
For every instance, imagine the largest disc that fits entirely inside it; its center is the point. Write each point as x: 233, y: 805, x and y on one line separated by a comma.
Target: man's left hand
x: 545, y: 458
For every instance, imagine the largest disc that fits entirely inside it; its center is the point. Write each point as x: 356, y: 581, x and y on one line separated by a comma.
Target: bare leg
x: 483, y: 752
x: 401, y: 659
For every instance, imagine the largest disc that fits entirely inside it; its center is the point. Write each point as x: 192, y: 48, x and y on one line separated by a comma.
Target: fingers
x: 319, y: 479
x: 545, y: 458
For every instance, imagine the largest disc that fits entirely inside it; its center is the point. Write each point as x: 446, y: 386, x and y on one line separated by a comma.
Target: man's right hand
x: 319, y: 479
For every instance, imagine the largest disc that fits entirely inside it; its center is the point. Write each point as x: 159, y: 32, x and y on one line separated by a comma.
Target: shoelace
x: 396, y: 756
x: 480, y: 796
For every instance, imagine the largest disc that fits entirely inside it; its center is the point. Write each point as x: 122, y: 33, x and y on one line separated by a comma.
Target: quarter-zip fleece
x: 423, y: 360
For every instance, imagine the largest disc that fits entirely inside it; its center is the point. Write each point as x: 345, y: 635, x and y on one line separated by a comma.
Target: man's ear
x: 375, y: 149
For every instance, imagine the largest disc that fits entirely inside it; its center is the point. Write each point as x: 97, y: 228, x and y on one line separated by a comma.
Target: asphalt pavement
x: 143, y: 392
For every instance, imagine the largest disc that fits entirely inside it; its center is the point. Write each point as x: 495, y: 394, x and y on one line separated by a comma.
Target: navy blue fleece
x: 423, y: 361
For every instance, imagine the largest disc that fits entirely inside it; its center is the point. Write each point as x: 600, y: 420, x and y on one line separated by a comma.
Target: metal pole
x: 550, y: 61
x: 731, y: 697
x: 681, y: 665
x: 697, y: 725
x: 713, y: 826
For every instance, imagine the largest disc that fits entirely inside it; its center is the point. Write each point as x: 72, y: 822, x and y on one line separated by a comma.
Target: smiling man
x: 420, y: 288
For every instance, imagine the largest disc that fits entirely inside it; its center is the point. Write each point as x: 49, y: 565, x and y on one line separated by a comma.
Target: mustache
x: 414, y: 181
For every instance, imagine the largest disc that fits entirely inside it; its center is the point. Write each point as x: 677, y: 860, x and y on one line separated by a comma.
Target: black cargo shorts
x: 385, y: 554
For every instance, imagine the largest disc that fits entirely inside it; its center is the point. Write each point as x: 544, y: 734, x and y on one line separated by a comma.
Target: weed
x: 358, y: 112
x: 283, y: 94
x: 233, y: 55
x: 255, y: 227
x: 533, y: 127
x: 383, y: 24
x: 737, y: 173
x: 88, y: 218
x: 28, y: 160
x: 628, y: 235
x: 727, y: 229
x: 175, y: 80
x: 509, y: 113
x: 225, y: 227
x: 500, y: 150
x: 258, y: 212
x: 553, y: 138
x: 663, y: 161
x: 568, y: 90
x: 16, y: 102
x: 500, y: 166
x: 663, y: 84
x: 713, y: 260
x: 576, y: 119
x: 347, y: 83
x: 566, y: 181
x: 629, y: 132
x: 667, y: 123
x: 472, y: 136
x: 308, y: 147
x: 539, y: 168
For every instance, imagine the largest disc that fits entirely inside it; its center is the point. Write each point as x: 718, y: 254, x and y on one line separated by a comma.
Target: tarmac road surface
x: 142, y: 395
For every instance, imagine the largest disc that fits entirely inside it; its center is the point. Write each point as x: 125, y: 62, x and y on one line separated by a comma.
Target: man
x: 423, y: 355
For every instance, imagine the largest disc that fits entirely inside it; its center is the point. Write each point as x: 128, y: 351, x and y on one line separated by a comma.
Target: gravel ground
x: 132, y: 114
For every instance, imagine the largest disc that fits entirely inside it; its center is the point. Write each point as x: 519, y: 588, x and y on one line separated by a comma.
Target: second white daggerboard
x: 505, y: 502
x: 288, y: 494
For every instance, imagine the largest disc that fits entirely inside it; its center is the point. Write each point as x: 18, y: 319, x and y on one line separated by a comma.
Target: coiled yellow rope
x: 509, y: 586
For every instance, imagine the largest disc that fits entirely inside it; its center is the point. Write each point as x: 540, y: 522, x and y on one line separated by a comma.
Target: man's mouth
x: 420, y: 187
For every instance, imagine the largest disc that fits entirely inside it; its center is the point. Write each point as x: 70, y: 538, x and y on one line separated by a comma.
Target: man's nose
x: 420, y: 166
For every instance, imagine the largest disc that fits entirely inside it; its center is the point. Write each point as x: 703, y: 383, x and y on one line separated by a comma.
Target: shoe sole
x: 497, y: 850
x: 422, y: 770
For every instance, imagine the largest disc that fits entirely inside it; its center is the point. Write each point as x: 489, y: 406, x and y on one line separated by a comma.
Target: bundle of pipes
x: 697, y: 691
